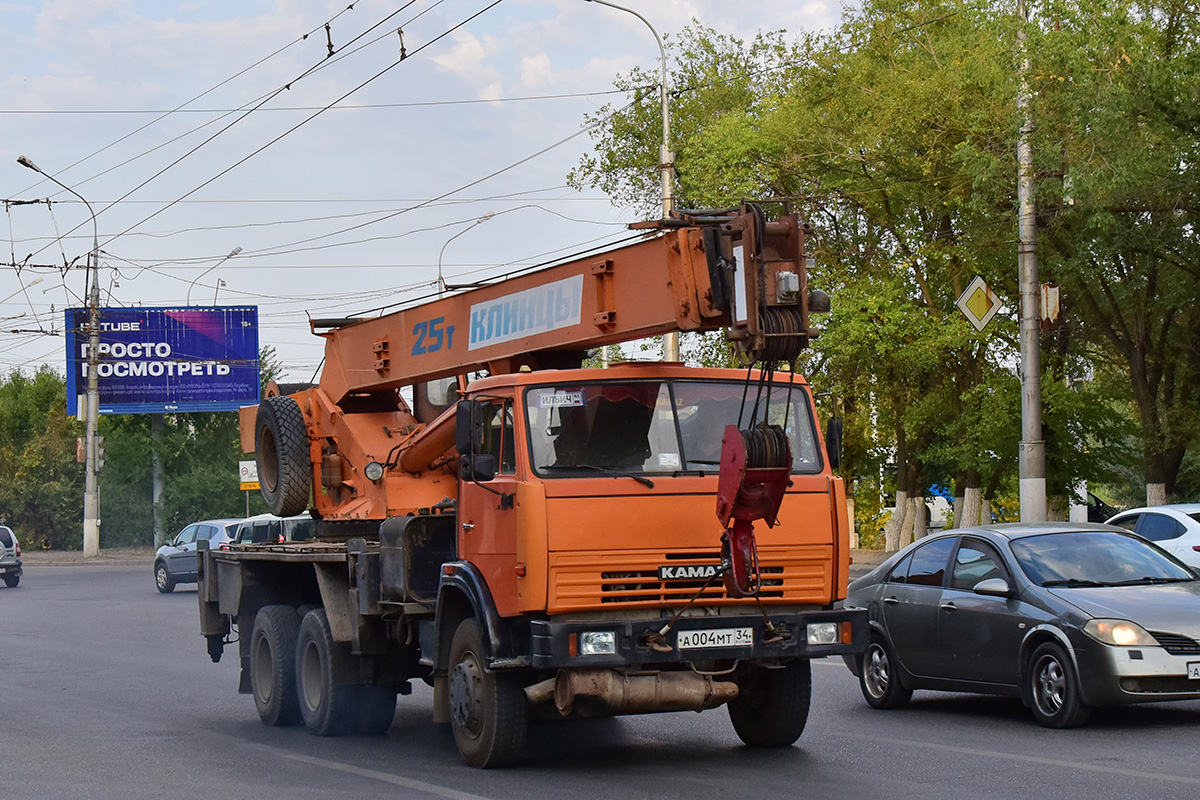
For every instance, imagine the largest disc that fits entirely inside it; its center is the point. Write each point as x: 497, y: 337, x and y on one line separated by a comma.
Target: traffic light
x: 99, y: 452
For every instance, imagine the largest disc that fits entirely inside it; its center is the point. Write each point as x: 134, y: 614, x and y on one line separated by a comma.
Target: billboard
x: 156, y: 360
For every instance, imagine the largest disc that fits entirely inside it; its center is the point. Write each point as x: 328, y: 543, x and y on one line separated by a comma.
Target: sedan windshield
x: 1095, y: 558
x: 656, y: 427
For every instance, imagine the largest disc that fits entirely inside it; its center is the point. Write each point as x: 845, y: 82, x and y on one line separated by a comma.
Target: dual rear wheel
x: 298, y: 673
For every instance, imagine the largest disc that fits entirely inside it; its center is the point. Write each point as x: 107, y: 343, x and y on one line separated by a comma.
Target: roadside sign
x: 248, y: 470
x: 978, y: 303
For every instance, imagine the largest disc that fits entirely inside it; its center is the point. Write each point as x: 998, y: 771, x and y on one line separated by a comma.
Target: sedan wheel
x: 878, y: 678
x: 1054, y: 689
x: 163, y: 579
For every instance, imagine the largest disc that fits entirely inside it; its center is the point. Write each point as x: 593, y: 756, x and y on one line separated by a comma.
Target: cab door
x: 487, y: 515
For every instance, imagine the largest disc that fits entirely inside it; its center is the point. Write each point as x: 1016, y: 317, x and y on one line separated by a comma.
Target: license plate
x: 717, y: 637
x: 1194, y: 670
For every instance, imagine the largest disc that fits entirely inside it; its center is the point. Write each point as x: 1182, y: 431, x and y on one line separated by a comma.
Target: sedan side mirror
x: 993, y: 587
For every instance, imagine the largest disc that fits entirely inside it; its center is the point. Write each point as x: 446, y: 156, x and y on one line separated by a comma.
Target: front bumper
x: 1115, y: 675
x: 638, y: 646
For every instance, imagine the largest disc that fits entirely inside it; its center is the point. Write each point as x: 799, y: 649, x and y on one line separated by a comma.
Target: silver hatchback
x: 176, y: 562
x: 10, y: 557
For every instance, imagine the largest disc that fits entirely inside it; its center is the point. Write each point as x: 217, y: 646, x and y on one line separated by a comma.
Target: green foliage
x: 897, y: 133
x: 41, y: 484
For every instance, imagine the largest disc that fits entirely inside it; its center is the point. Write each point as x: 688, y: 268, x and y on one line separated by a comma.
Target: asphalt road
x: 106, y: 692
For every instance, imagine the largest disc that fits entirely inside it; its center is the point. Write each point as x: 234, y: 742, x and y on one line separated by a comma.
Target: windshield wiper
x: 616, y: 473
x: 1075, y: 582
x: 1147, y: 579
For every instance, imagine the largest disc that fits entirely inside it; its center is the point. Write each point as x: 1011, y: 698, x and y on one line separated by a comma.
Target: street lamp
x: 24, y: 286
x: 666, y: 157
x: 91, y: 495
x: 231, y: 254
x: 442, y: 281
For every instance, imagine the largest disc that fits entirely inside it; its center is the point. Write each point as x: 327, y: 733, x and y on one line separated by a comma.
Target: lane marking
x: 1053, y: 762
x: 362, y: 772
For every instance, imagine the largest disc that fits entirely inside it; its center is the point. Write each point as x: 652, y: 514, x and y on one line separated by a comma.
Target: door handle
x: 891, y: 601
x: 949, y: 607
x: 467, y: 527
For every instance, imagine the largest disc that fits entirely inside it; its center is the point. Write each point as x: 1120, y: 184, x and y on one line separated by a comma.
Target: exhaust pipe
x: 601, y: 692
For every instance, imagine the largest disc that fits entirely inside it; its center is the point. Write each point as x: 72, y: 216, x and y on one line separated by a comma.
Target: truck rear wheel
x: 273, y: 665
x: 771, y: 708
x: 281, y: 448
x: 326, y: 706
x: 488, y: 710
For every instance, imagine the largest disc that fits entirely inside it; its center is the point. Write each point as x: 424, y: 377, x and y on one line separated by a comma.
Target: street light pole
x: 1032, y: 459
x: 91, y: 493
x: 665, y: 156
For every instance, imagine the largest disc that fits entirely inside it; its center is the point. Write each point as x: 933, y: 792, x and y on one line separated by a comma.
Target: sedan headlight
x: 1119, y: 632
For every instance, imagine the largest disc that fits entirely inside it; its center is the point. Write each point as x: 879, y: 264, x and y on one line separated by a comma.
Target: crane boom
x: 733, y: 271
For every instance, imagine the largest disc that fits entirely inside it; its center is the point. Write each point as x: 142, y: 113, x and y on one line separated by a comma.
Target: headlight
x: 597, y: 643
x: 1120, y: 632
x: 373, y: 470
x: 822, y: 633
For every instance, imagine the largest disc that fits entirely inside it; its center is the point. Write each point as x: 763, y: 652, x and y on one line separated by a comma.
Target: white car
x: 10, y: 557
x: 269, y: 529
x: 1174, y: 528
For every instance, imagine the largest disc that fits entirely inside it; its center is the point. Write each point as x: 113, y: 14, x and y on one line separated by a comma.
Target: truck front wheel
x: 273, y: 665
x: 771, y: 708
x: 488, y: 710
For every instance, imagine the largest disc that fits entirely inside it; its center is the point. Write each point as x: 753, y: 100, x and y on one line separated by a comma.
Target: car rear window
x: 6, y: 537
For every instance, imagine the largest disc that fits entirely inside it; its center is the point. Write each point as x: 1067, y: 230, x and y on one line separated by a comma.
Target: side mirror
x: 993, y: 587
x: 833, y: 442
x: 469, y: 432
x: 479, y: 468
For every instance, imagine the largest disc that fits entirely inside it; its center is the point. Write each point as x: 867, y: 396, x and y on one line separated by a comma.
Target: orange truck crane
x: 535, y: 539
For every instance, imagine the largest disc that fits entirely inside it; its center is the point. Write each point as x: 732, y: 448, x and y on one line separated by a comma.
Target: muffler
x: 602, y: 692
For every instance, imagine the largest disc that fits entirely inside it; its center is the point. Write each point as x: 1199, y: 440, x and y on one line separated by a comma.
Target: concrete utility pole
x: 1033, y: 447
x: 665, y: 156
x: 91, y: 493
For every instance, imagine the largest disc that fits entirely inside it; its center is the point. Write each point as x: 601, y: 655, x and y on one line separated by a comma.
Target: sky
x: 247, y: 154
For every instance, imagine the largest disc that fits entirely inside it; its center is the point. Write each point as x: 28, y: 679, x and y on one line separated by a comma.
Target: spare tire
x: 281, y: 449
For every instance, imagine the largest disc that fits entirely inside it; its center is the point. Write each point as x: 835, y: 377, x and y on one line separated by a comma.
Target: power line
x: 206, y: 92
x: 345, y: 107
x: 310, y: 118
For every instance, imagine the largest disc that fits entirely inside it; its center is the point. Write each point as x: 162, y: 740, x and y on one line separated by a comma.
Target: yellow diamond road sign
x: 978, y: 303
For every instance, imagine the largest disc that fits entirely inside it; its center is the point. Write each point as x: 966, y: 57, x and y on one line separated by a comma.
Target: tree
x: 896, y: 136
x: 1121, y: 207
x: 41, y: 483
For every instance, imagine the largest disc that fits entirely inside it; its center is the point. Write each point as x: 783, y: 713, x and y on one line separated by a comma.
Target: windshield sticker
x: 668, y: 460
x: 560, y: 399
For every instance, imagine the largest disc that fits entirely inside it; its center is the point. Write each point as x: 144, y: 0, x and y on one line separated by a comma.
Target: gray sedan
x: 1065, y: 616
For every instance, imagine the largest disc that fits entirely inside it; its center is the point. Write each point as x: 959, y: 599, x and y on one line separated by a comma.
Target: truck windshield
x: 656, y: 427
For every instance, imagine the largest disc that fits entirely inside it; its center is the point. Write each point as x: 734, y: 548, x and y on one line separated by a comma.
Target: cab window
x: 498, y: 436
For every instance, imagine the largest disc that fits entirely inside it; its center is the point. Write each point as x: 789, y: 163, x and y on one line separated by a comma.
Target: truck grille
x: 594, y: 580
